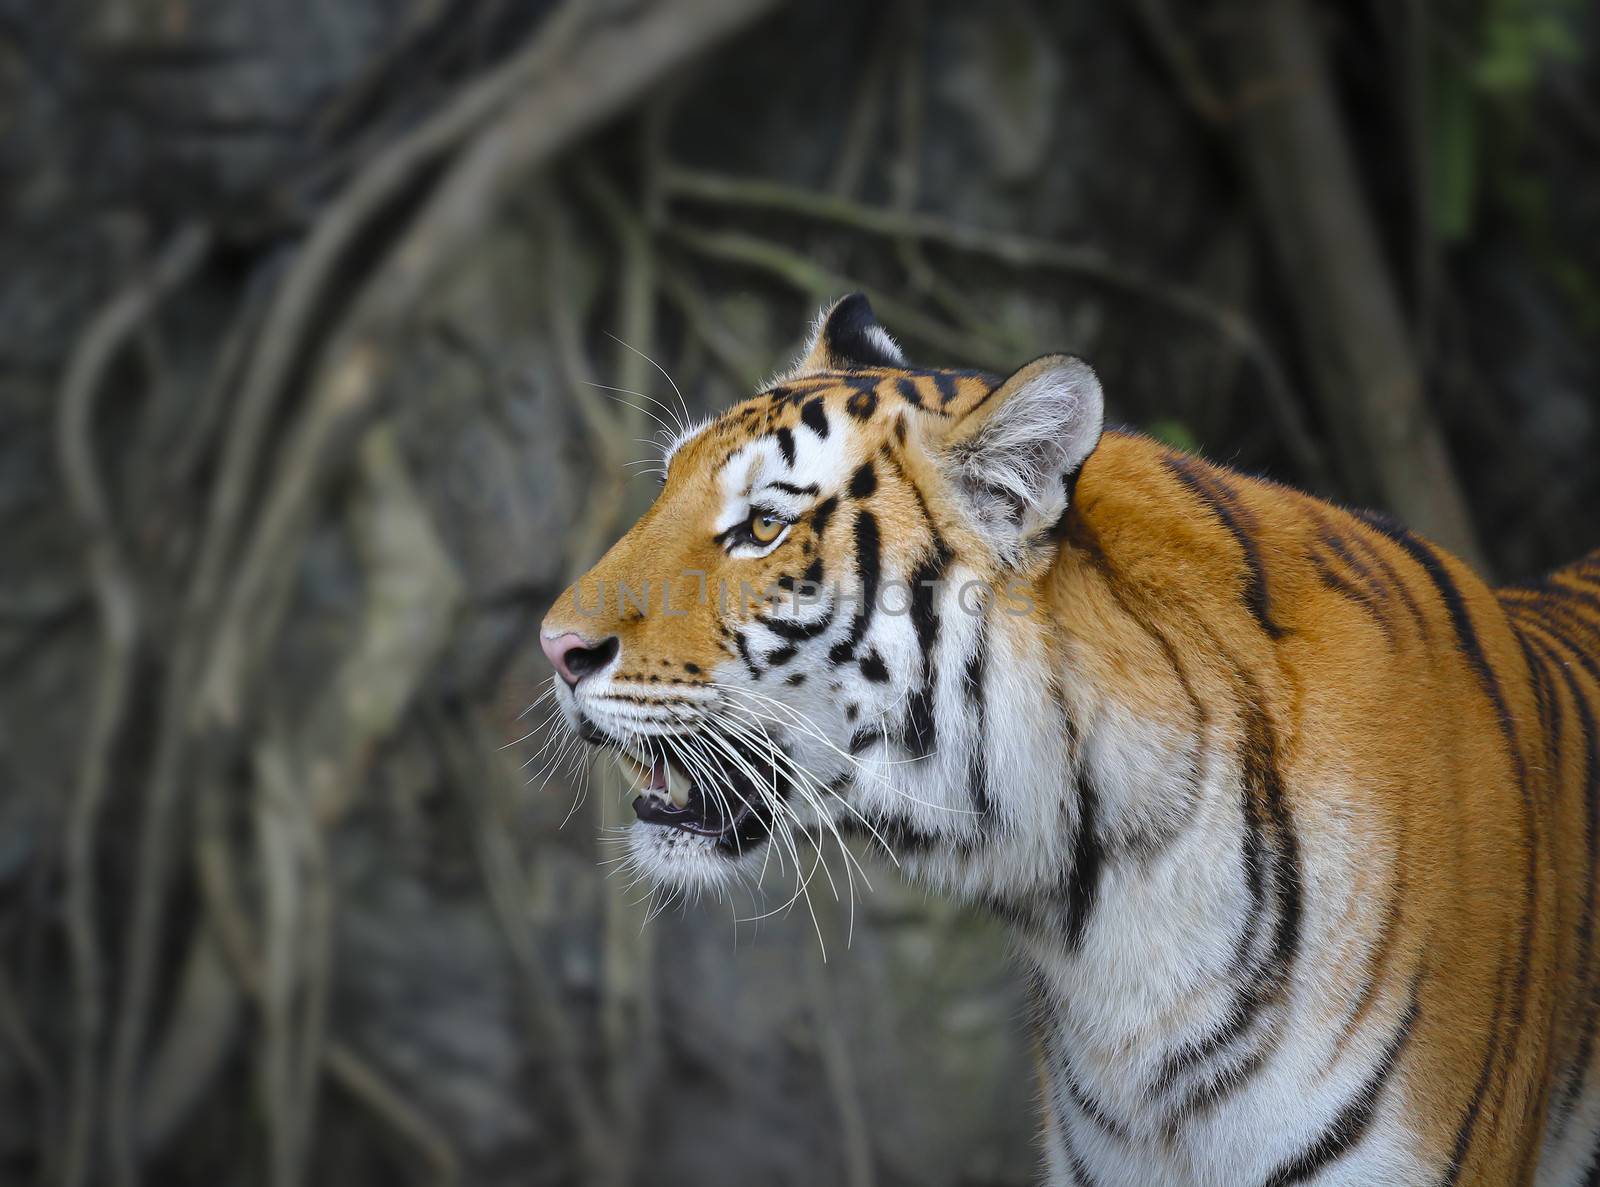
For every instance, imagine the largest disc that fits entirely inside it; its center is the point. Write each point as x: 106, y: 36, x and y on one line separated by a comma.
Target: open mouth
x: 735, y: 813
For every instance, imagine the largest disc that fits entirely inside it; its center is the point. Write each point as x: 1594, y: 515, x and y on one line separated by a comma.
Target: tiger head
x: 779, y: 650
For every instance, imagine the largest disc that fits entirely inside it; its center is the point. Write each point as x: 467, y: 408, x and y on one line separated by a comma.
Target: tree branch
x: 1015, y: 251
x: 1352, y: 327
x: 117, y: 602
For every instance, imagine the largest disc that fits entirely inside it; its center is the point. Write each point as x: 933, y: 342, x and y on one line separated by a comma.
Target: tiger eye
x: 764, y: 528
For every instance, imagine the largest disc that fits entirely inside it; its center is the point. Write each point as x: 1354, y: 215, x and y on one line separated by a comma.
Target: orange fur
x: 1485, y: 869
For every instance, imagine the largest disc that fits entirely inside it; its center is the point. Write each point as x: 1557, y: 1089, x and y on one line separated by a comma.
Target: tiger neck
x: 1078, y: 794
x: 1068, y: 735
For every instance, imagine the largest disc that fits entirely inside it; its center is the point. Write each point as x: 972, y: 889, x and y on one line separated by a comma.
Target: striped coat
x: 1294, y: 819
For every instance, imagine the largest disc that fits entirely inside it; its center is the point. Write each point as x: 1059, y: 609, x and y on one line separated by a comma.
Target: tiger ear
x: 1014, y: 457
x: 846, y: 337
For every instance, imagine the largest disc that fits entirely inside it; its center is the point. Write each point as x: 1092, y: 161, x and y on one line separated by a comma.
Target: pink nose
x: 574, y: 658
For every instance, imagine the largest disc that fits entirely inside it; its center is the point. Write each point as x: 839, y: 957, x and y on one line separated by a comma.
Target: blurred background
x: 309, y: 312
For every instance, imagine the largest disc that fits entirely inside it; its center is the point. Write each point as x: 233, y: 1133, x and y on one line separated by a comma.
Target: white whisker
x: 688, y: 417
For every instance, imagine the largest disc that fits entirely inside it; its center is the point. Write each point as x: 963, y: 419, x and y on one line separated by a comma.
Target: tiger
x: 1291, y: 818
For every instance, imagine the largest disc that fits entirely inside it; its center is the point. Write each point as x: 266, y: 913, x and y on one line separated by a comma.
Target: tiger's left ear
x: 1014, y: 458
x: 846, y: 337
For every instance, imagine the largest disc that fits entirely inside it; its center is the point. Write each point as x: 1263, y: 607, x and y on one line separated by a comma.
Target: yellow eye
x: 764, y: 529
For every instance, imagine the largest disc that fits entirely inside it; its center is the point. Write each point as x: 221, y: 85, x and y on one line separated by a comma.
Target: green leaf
x: 1174, y: 433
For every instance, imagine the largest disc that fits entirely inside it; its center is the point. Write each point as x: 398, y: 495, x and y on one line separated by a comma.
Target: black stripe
x: 1586, y: 571
x: 1236, y: 519
x: 776, y: 659
x: 872, y: 667
x: 1082, y: 536
x: 972, y: 685
x: 1088, y: 1107
x: 1576, y: 628
x: 790, y: 488
x: 1392, y: 580
x: 1584, y: 596
x: 1361, y: 596
x: 1592, y: 1179
x: 1080, y: 1172
x: 1083, y: 883
x: 1589, y: 787
x: 817, y: 381
x: 1549, y: 586
x: 1460, y: 618
x: 863, y: 482
x: 1570, y: 647
x: 1350, y: 1125
x: 1258, y: 982
x: 814, y: 416
x: 1546, y: 715
x: 908, y: 392
x: 939, y: 546
x: 785, y: 441
x: 1472, y: 650
x: 868, y: 568
x: 1249, y: 998
x: 821, y: 513
x: 977, y: 767
x: 797, y: 632
x: 1217, y: 1086
x: 743, y: 645
x: 1469, y: 1116
x: 1075, y: 1164
x: 1262, y: 769
x: 1378, y: 961
x: 1368, y: 587
x: 1341, y: 549
x: 953, y: 372
x: 1545, y: 705
x: 921, y: 732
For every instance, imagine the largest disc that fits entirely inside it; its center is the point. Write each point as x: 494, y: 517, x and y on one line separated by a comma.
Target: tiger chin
x: 1294, y: 819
